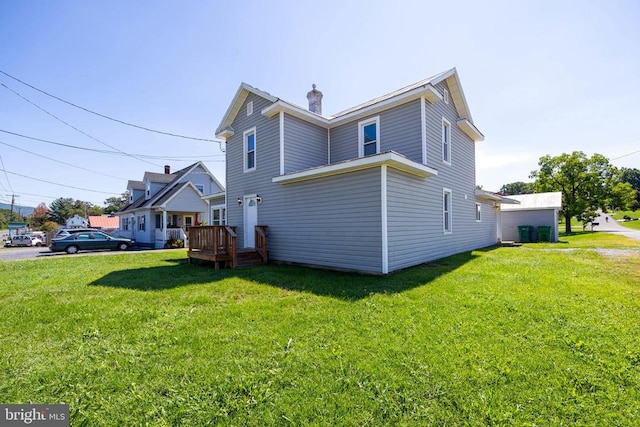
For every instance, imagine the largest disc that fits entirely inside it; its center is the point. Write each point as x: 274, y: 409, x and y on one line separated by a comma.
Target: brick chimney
x: 315, y: 100
x: 167, y: 169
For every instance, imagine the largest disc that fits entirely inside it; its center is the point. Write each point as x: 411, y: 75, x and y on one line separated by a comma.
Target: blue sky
x: 540, y: 77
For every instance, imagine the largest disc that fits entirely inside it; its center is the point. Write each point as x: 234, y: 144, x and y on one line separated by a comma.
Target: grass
x: 541, y: 334
x: 635, y: 225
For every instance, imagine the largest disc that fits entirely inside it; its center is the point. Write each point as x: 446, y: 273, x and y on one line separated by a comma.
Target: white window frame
x: 142, y: 223
x: 249, y: 108
x: 447, y: 211
x: 445, y: 96
x: 361, y: 126
x: 200, y: 187
x: 478, y: 212
x: 245, y: 154
x: 446, y: 141
x: 222, y: 212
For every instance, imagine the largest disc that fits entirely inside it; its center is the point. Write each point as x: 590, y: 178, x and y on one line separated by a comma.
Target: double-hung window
x: 446, y: 210
x: 141, y: 224
x: 369, y: 137
x: 446, y: 141
x: 250, y: 150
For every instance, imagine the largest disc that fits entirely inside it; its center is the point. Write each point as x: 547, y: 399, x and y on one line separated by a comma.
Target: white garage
x: 535, y: 210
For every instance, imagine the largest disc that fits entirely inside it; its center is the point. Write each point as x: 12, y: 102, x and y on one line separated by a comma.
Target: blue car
x: 89, y: 240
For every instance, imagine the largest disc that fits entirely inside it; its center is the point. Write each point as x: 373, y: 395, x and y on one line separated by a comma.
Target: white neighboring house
x: 535, y: 210
x: 77, y: 221
x: 164, y: 205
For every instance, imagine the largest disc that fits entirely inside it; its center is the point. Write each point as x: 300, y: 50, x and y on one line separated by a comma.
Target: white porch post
x: 164, y: 224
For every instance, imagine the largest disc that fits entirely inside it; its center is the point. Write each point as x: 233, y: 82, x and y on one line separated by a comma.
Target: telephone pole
x: 13, y: 202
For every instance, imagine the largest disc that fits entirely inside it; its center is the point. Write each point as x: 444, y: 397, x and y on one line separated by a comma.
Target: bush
x: 174, y: 243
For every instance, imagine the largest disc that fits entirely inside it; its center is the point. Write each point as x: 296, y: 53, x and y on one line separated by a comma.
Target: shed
x: 535, y: 210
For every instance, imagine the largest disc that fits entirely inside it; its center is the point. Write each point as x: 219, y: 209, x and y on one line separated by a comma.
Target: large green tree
x: 114, y: 204
x: 632, y: 176
x: 585, y: 182
x: 64, y: 208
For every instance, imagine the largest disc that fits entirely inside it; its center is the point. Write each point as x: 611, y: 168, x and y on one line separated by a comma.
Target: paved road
x: 13, y: 254
x: 612, y: 226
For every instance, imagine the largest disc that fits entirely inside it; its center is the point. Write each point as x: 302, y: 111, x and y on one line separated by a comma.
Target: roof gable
x: 424, y: 88
x: 241, y: 95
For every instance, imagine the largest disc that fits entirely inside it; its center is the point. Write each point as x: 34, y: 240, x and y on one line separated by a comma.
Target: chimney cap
x: 315, y: 100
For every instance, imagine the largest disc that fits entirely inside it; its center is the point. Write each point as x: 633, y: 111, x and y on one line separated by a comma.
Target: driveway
x: 613, y: 226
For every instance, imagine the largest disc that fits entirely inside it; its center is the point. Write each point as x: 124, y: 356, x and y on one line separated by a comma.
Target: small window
x: 369, y: 137
x: 249, y: 108
x: 200, y: 188
x: 446, y: 210
x: 219, y: 214
x: 446, y: 141
x: 141, y: 224
x: 445, y: 96
x: 250, y: 150
x: 478, y: 212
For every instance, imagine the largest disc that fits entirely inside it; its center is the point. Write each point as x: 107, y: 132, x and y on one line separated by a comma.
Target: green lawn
x: 631, y: 214
x: 540, y: 334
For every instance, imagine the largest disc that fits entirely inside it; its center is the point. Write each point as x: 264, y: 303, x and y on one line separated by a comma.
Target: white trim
x: 478, y: 212
x: 249, y: 108
x: 361, y: 126
x: 385, y: 230
x: 281, y: 142
x: 245, y: 148
x: 423, y: 128
x: 446, y: 123
x: 328, y: 146
x: 392, y: 159
x: 238, y: 99
x: 449, y: 211
x: 445, y: 96
x: 470, y: 130
x: 427, y: 91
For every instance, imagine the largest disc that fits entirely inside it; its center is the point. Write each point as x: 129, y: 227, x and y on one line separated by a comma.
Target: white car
x: 25, y: 240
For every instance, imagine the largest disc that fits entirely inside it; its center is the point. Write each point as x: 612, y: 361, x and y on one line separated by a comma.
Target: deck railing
x: 261, y: 241
x: 217, y: 243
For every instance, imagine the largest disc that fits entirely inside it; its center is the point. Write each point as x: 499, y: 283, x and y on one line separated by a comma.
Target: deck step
x: 249, y: 258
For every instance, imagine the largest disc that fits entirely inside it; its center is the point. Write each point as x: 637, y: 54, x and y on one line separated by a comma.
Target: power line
x: 73, y: 127
x: 55, y: 183
x: 60, y: 161
x: 5, y: 175
x: 76, y: 147
x: 625, y: 155
x: 110, y: 118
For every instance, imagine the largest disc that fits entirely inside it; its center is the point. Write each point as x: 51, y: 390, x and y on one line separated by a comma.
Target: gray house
x: 379, y: 187
x: 164, y: 205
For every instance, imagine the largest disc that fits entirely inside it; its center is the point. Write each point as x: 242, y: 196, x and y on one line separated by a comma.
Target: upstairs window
x: 446, y: 210
x: 200, y: 188
x: 369, y: 137
x: 446, y: 141
x: 250, y: 150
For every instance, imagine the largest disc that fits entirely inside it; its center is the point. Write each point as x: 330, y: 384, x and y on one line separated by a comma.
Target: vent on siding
x: 249, y: 108
x: 445, y: 96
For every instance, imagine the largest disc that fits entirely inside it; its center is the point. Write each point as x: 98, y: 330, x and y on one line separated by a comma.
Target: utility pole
x: 13, y: 202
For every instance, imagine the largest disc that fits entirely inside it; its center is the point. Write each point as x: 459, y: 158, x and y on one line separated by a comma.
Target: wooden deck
x: 219, y: 244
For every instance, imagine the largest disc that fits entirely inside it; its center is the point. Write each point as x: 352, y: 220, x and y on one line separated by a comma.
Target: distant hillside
x: 24, y: 210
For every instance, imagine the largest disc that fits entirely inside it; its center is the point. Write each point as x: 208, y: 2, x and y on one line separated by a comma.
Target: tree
x: 64, y: 208
x: 519, y: 187
x: 114, y: 204
x: 623, y: 196
x: 632, y: 176
x: 585, y: 182
x: 39, y: 216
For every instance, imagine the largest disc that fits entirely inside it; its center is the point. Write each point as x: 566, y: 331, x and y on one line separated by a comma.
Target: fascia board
x: 470, y: 130
x: 390, y: 159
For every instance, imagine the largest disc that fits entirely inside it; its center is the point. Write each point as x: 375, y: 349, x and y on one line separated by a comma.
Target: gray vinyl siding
x: 400, y: 131
x: 188, y: 200
x: 414, y: 221
x: 258, y: 181
x: 330, y: 222
x: 512, y: 219
x: 199, y: 176
x: 305, y: 145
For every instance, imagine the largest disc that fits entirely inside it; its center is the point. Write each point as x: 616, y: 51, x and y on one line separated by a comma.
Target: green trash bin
x: 524, y: 233
x: 544, y: 233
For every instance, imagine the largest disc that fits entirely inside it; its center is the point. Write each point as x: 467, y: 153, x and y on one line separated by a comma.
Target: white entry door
x: 250, y: 221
